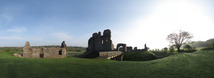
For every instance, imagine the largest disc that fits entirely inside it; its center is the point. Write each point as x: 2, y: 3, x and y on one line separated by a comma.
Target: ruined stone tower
x: 98, y: 43
x: 27, y: 50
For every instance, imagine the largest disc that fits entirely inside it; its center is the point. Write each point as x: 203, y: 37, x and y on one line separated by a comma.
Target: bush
x: 171, y: 49
x: 165, y: 49
x: 138, y: 56
x: 188, y: 47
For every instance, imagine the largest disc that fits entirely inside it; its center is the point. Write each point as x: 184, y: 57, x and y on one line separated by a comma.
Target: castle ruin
x: 101, y: 46
x: 44, y: 52
x: 99, y: 43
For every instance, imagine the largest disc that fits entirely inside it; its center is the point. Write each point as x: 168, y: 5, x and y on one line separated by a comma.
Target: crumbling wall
x: 54, y: 52
x: 43, y: 52
x: 36, y: 52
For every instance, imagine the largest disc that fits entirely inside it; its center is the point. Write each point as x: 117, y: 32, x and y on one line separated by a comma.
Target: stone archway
x: 123, y: 45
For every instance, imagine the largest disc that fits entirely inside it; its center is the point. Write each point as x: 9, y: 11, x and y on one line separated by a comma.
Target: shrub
x: 138, y: 56
x: 171, y: 49
x: 165, y: 49
x: 188, y: 47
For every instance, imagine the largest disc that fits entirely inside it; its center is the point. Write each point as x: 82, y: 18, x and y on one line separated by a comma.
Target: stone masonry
x: 44, y: 52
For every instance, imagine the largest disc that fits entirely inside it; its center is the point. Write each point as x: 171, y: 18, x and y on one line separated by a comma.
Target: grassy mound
x: 199, y: 64
x: 138, y: 56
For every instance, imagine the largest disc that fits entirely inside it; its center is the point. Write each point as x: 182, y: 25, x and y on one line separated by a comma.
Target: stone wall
x: 43, y: 52
x: 109, y: 54
x: 54, y: 52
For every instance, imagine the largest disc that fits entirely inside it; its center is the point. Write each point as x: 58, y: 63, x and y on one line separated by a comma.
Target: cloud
x: 14, y: 38
x: 6, y: 18
x: 37, y: 39
x: 11, y: 38
x: 20, y: 40
x: 17, y: 30
x: 62, y: 36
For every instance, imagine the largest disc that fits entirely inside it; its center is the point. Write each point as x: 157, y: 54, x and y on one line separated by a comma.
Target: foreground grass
x: 182, y: 65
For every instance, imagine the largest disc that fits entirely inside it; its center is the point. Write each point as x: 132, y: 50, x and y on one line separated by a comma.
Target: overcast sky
x: 134, y: 22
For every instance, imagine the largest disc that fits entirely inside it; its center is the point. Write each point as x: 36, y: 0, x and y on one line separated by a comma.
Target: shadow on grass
x: 162, y: 54
x: 207, y: 49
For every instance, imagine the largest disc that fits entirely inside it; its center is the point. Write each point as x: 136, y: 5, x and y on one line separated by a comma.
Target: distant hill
x: 199, y: 44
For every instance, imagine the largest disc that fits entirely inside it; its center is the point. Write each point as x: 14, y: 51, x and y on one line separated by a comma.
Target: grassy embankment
x: 199, y: 64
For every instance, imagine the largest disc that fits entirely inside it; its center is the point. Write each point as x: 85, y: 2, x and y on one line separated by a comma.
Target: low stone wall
x: 17, y: 55
x: 109, y: 54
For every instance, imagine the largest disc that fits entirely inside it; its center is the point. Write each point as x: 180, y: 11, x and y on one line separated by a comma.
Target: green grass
x: 138, y: 56
x: 199, y: 64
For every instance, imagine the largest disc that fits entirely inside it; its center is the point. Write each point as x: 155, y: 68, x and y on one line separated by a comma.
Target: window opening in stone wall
x: 41, y: 55
x: 60, y: 52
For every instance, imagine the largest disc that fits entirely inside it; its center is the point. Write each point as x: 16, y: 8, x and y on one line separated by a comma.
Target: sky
x: 134, y: 22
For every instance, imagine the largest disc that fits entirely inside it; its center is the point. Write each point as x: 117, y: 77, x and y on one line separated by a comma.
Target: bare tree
x: 178, y: 39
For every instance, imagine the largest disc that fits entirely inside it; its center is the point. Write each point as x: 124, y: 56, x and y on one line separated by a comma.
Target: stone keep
x: 100, y: 42
x: 44, y: 52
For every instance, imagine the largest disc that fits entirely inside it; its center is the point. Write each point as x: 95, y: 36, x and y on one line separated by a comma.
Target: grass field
x: 199, y: 64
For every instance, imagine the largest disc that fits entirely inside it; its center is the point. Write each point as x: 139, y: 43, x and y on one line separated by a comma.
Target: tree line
x: 182, y: 39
